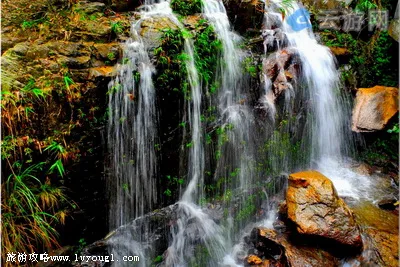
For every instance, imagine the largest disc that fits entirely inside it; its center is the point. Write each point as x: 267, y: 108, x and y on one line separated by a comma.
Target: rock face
x: 151, y: 29
x: 281, y: 68
x: 374, y: 107
x: 385, y: 246
x: 315, y: 208
x: 278, y: 250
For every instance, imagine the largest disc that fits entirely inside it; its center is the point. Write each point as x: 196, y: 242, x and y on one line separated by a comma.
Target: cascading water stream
x: 326, y: 128
x: 132, y: 134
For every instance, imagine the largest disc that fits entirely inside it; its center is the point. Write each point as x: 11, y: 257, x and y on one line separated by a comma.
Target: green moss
x: 187, y: 7
x: 207, y: 50
x: 247, y: 209
x: 250, y: 67
x: 171, y: 59
x: 372, y: 57
x: 171, y: 62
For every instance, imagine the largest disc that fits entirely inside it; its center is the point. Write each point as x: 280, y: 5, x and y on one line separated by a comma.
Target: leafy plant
x: 171, y: 61
x: 111, y: 56
x: 30, y: 210
x: 68, y: 81
x: 207, y: 50
x: 249, y: 67
x: 116, y: 27
x: 187, y: 7
x: 394, y: 129
x: 61, y: 154
x: 365, y: 5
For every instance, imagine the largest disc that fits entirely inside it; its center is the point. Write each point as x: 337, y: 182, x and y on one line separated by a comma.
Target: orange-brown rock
x: 386, y: 246
x: 339, y: 51
x: 374, y: 107
x: 315, y: 208
x: 103, y: 71
x: 254, y: 260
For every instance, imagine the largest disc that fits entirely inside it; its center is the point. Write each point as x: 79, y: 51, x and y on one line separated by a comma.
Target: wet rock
x: 273, y: 39
x: 90, y: 7
x: 253, y: 260
x: 282, y: 250
x: 151, y: 29
x: 148, y: 233
x: 386, y: 245
x: 103, y: 71
x: 74, y: 62
x: 124, y: 5
x: 339, y: 51
x: 363, y: 169
x: 106, y: 51
x: 314, y: 207
x: 369, y: 215
x: 387, y: 204
x: 9, y: 41
x: 281, y: 68
x: 394, y: 29
x: 374, y: 107
x: 245, y: 14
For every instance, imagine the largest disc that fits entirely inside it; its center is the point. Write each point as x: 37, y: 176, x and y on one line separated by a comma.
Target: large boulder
x: 314, y: 207
x: 374, y: 107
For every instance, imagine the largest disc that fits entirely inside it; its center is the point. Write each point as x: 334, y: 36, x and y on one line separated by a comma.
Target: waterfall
x: 132, y: 134
x: 331, y: 138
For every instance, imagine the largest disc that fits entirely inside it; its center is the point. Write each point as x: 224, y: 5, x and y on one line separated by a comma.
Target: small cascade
x: 132, y: 134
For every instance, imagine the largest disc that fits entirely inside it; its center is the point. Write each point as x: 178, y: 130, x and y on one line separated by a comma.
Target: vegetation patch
x: 207, y: 50
x: 187, y: 7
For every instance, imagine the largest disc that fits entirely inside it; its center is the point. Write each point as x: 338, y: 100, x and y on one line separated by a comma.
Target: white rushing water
x: 331, y: 139
x: 132, y: 133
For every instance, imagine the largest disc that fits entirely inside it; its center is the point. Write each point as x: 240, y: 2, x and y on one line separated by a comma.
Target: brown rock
x: 74, y: 62
x: 363, y: 169
x: 246, y: 14
x: 339, y: 51
x: 386, y: 247
x: 191, y: 21
x: 151, y: 28
x: 270, y: 242
x: 9, y: 40
x: 279, y: 69
x: 315, y: 208
x: 254, y: 260
x: 124, y: 5
x: 103, y: 71
x: 374, y: 108
x: 105, y: 50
